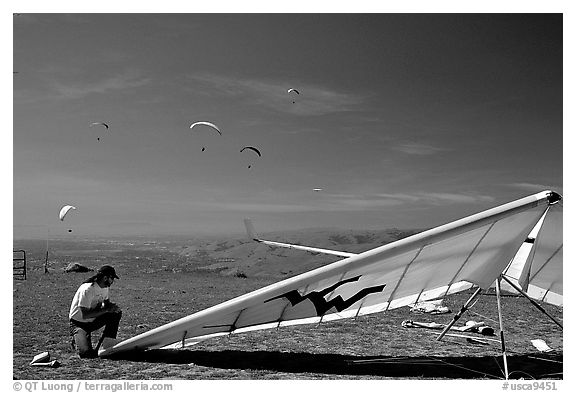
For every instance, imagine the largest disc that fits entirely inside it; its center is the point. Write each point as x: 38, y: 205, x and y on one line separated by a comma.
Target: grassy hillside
x: 164, y: 280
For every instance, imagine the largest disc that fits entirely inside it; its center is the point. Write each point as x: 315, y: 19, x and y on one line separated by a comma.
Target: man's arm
x: 96, y: 312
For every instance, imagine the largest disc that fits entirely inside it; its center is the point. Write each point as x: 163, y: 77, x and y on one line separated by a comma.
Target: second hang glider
x: 470, y: 252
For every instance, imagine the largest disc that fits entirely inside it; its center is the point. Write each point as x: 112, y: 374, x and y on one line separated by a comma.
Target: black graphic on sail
x: 321, y: 305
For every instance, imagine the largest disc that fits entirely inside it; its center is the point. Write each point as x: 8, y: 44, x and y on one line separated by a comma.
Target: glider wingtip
x: 553, y: 197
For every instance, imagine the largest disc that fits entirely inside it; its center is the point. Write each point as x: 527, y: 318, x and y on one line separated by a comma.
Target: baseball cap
x: 109, y: 271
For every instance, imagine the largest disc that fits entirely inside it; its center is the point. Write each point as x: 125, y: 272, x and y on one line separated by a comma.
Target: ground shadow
x: 526, y: 366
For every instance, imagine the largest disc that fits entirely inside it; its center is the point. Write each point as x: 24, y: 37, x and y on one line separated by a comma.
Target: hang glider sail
x: 537, y: 267
x: 473, y: 251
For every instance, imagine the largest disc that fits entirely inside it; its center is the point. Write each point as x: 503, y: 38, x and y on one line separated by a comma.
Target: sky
x: 402, y: 120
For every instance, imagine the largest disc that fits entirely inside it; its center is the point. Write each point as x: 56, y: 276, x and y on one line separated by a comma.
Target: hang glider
x: 470, y: 252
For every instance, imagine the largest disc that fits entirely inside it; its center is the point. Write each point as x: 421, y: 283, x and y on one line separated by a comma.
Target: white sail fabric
x: 472, y: 251
x: 544, y: 274
x: 537, y: 267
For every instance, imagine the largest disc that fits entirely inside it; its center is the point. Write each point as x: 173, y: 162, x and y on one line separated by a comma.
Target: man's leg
x: 83, y: 341
x: 110, y: 322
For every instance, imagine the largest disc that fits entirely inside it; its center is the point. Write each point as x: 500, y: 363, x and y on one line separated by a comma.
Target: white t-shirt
x: 88, y: 295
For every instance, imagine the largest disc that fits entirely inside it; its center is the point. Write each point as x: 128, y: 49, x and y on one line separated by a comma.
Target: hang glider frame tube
x: 540, y: 308
x: 457, y: 316
x: 252, y: 236
x: 501, y: 323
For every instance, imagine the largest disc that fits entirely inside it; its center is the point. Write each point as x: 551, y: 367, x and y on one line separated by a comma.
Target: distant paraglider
x: 205, y: 123
x: 293, y: 91
x: 64, y: 211
x: 208, y: 124
x: 101, y: 125
x: 255, y: 150
x: 317, y: 189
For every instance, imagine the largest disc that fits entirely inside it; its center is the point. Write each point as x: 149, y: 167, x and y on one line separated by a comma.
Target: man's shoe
x: 90, y: 354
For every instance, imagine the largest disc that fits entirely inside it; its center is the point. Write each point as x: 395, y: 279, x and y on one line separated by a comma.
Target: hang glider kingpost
x: 470, y: 252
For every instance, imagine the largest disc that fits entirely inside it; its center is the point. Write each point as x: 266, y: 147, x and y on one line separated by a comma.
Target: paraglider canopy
x: 293, y: 91
x: 98, y: 123
x: 208, y: 124
x: 251, y: 148
x: 64, y: 211
x: 255, y: 150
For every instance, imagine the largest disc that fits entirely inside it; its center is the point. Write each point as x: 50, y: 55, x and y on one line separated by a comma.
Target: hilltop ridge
x: 243, y: 257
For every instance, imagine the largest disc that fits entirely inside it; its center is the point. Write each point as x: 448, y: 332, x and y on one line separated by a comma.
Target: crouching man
x: 90, y: 310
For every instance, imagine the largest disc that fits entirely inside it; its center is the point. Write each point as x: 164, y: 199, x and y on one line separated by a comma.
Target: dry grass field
x: 163, y: 280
